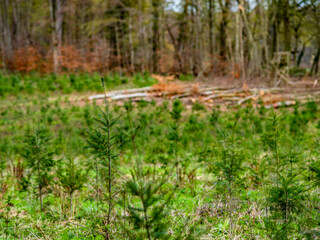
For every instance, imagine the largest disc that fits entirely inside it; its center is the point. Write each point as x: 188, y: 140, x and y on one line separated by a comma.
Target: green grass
x: 202, y: 199
x: 18, y: 84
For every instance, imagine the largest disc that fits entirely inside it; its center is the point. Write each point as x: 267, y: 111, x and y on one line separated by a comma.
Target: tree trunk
x: 57, y: 14
x: 155, y: 34
x: 253, y: 52
x: 264, y: 33
x: 273, y: 27
x: 315, y: 64
x: 141, y: 50
x: 131, y: 44
x: 7, y: 39
x: 211, y: 25
x: 286, y: 26
x: 223, y: 28
x: 198, y: 67
x: 176, y: 55
x: 301, y: 55
x: 2, y: 42
x: 183, y: 37
x: 296, y: 43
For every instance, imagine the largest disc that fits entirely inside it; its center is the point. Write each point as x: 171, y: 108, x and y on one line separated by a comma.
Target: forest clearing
x: 194, y: 166
x: 159, y: 119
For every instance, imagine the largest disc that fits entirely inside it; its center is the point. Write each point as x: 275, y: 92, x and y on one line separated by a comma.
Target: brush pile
x: 168, y: 88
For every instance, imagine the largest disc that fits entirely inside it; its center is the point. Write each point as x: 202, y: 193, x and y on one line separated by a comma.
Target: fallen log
x: 243, y: 100
x: 113, y: 94
x: 215, y: 88
x: 181, y: 95
x: 132, y: 95
x: 281, y: 104
x: 121, y: 92
x: 222, y: 94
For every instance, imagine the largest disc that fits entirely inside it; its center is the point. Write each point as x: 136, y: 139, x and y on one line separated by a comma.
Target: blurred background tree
x: 198, y: 37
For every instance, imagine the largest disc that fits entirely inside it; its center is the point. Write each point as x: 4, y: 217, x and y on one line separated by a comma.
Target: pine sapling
x: 286, y: 190
x: 71, y: 177
x: 104, y: 144
x: 271, y: 139
x: 149, y: 210
x: 4, y: 214
x: 133, y: 130
x: 229, y: 166
x: 174, y: 134
x: 39, y: 159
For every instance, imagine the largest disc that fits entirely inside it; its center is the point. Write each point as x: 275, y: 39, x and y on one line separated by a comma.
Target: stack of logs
x: 268, y: 97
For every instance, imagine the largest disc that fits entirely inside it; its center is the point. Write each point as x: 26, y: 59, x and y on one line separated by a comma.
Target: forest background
x: 195, y: 37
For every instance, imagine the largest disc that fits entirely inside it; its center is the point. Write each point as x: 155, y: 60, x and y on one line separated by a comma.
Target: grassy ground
x: 206, y: 174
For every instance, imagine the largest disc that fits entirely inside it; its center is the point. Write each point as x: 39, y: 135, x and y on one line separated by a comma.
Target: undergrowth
x: 151, y: 170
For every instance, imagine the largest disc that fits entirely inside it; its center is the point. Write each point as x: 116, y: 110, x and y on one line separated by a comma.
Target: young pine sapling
x: 228, y: 167
x: 104, y: 143
x: 149, y: 212
x: 39, y: 160
x: 174, y: 135
x: 71, y: 177
x: 286, y: 191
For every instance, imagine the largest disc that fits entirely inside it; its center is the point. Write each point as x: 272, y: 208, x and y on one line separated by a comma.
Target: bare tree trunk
x: 176, y: 49
x: 211, y: 37
x: 315, y: 64
x: 2, y: 42
x: 274, y: 26
x: 119, y: 56
x: 28, y: 36
x: 239, y: 53
x: 264, y: 32
x: 254, y: 55
x: 301, y: 55
x: 53, y: 34
x: 193, y: 42
x: 155, y: 35
x: 296, y: 44
x: 223, y: 28
x: 183, y: 36
x: 130, y: 43
x: 237, y: 37
x: 141, y: 38
x: 198, y: 37
x: 7, y: 40
x: 57, y: 14
x: 286, y: 26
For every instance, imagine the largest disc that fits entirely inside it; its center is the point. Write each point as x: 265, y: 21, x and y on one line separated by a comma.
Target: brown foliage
x: 96, y: 58
x: 163, y: 79
x: 26, y: 59
x: 236, y: 71
x: 165, y: 85
x: 70, y: 59
x: 195, y: 88
x: 269, y: 98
